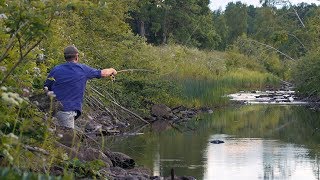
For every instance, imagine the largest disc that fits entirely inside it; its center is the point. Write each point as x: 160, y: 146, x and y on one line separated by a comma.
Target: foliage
x: 7, y: 173
x: 284, y: 29
x: 306, y: 74
x: 236, y: 20
x: 85, y: 169
x: 248, y: 53
x: 186, y: 22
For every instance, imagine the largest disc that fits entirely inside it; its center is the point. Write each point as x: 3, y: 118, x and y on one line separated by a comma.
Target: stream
x: 261, y: 141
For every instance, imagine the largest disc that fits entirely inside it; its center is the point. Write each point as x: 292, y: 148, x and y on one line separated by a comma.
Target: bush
x: 306, y: 74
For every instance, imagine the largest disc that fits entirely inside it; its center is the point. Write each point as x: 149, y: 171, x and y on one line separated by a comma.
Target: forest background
x: 160, y: 42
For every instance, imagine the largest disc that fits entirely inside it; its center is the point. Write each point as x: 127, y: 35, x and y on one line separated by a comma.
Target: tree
x: 185, y: 22
x: 236, y: 19
x: 27, y: 23
x: 251, y: 11
x: 221, y: 28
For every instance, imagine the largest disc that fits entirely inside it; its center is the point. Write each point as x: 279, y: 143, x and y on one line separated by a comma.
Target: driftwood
x: 36, y: 149
x: 123, y: 108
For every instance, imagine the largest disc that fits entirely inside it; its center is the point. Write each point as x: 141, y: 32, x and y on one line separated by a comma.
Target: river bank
x: 87, y: 146
x: 95, y: 125
x: 161, y: 118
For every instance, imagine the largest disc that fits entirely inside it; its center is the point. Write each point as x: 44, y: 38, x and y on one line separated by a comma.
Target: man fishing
x: 68, y: 83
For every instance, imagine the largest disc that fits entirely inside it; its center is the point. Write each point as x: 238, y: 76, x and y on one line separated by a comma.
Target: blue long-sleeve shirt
x: 68, y: 82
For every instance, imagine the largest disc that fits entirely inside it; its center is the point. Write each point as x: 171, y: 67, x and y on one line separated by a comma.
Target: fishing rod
x: 113, y: 78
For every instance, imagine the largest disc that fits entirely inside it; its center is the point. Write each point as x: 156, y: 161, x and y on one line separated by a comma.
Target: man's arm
x: 108, y: 72
x: 95, y: 73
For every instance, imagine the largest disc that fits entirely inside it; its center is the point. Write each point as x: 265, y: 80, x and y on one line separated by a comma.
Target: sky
x: 216, y: 4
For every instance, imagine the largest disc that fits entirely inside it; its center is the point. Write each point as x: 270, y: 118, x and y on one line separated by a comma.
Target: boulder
x: 91, y: 154
x: 142, y: 173
x: 118, y: 171
x: 160, y: 125
x: 160, y: 110
x: 67, y: 136
x: 120, y: 160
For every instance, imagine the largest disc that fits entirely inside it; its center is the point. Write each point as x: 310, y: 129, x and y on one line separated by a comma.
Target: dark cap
x: 71, y: 50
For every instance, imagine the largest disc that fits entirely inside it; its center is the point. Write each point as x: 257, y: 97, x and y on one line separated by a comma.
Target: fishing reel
x: 112, y: 77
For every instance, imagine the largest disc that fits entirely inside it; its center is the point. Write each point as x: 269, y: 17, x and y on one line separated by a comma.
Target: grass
x: 206, y: 76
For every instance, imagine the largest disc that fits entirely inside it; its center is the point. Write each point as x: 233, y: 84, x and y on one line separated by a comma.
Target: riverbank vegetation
x: 162, y: 50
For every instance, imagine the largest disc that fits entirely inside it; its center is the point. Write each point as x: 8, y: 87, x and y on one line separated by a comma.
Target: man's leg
x: 66, y: 118
x: 65, y: 122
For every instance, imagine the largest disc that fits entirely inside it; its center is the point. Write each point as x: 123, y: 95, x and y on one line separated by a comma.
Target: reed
x: 205, y: 77
x: 213, y: 93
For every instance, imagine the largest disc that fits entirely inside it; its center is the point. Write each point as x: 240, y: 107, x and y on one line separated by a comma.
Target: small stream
x: 262, y: 141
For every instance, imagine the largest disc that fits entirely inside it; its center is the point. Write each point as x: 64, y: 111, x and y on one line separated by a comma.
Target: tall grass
x: 178, y: 62
x: 205, y: 77
x: 213, y: 93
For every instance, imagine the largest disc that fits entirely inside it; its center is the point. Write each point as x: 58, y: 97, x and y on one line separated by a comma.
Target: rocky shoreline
x: 82, y: 144
x: 162, y: 118
x: 120, y: 166
x: 284, y: 95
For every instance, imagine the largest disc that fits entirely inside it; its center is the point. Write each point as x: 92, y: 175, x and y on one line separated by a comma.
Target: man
x: 68, y: 82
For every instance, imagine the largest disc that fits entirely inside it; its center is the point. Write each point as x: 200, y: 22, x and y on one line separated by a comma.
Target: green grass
x: 206, y: 76
x: 213, y: 93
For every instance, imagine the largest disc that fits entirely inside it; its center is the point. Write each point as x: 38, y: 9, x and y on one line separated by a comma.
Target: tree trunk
x: 142, y: 30
x: 165, y: 29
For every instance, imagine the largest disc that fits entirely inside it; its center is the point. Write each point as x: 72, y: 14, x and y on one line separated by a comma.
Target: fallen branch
x: 123, y: 108
x: 36, y: 149
x: 270, y: 47
x: 106, y: 109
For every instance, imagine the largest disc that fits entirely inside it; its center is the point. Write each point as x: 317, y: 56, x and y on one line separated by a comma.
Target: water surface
x: 261, y: 142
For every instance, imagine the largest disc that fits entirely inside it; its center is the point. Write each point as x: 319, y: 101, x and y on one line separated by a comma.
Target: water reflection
x: 242, y: 158
x: 261, y: 142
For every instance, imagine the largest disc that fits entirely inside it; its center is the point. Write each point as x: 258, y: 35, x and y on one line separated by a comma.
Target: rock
x: 191, y: 114
x: 291, y: 99
x: 178, y: 109
x: 91, y: 154
x: 118, y: 171
x: 217, y: 142
x: 121, y: 160
x: 160, y: 110
x: 67, y: 137
x: 175, y: 118
x: 174, y: 177
x: 108, y: 132
x: 160, y: 125
x: 204, y: 109
x: 141, y: 172
x: 91, y: 126
x: 56, y: 171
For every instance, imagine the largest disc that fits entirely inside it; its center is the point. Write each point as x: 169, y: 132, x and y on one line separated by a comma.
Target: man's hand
x: 108, y: 72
